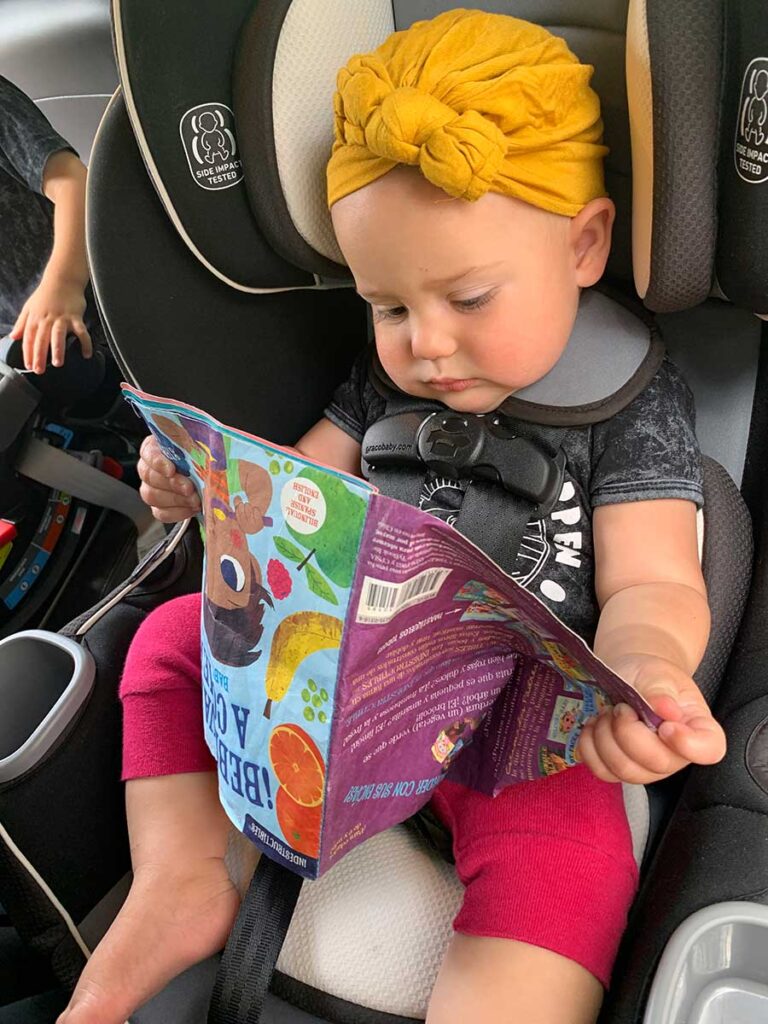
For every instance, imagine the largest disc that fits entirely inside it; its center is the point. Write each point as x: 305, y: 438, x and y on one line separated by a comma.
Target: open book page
x: 444, y: 654
x: 356, y: 650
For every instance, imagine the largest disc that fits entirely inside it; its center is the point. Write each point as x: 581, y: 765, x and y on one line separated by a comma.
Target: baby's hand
x: 619, y: 747
x: 172, y: 496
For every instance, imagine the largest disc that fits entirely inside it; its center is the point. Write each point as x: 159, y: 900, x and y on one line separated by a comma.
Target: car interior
x: 229, y: 292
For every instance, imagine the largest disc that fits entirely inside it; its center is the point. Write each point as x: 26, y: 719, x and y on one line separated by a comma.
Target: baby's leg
x: 501, y: 981
x: 549, y: 876
x: 182, y: 904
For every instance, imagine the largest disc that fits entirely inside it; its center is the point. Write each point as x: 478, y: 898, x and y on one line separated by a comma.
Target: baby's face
x: 470, y: 301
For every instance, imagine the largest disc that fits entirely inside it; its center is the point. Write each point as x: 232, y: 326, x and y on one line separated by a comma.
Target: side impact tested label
x: 208, y: 136
x: 751, y: 143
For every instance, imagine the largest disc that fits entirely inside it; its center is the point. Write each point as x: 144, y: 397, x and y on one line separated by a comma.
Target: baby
x: 467, y: 196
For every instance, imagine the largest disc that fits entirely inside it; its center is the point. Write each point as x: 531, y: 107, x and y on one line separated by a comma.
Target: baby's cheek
x: 395, y: 358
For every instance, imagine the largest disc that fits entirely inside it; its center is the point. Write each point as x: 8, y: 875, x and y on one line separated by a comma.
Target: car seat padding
x: 180, y: 331
x: 742, y: 245
x: 175, y: 68
x: 674, y: 94
x: 284, y: 80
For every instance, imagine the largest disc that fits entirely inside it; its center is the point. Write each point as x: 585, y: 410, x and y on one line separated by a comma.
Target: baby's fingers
x: 173, y: 514
x: 167, y: 506
x: 589, y: 756
x: 86, y: 345
x: 177, y: 489
x: 630, y: 750
x: 17, y: 331
x: 699, y: 740
x: 153, y: 457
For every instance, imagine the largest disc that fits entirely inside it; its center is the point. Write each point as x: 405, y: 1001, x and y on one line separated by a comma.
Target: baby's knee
x: 166, y: 648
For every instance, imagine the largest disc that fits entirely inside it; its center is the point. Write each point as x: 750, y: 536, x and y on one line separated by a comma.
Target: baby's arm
x: 653, y: 631
x: 173, y: 496
x: 327, y: 443
x: 55, y: 308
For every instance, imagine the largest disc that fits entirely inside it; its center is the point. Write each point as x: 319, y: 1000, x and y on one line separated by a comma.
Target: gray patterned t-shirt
x: 27, y: 140
x: 648, y: 450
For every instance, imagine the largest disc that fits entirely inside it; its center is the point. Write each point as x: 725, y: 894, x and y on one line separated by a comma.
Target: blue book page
x: 281, y: 534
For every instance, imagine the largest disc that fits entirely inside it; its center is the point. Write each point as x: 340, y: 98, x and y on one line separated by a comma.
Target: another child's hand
x: 618, y: 746
x: 53, y: 310
x: 171, y: 495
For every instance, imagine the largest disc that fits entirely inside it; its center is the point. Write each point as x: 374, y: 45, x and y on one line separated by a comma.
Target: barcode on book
x: 381, y: 600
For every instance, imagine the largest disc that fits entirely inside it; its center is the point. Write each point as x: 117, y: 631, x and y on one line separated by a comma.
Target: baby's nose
x: 430, y: 341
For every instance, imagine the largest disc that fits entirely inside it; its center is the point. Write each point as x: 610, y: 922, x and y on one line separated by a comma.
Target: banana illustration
x: 297, y: 636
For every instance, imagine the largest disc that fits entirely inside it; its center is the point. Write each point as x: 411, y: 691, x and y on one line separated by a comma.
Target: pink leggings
x: 547, y: 862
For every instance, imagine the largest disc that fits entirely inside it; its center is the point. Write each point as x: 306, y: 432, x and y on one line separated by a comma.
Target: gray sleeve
x: 649, y: 450
x: 27, y: 138
x: 348, y: 409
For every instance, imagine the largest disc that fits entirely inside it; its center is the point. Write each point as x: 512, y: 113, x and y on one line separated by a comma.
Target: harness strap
x: 249, y: 958
x: 514, y: 475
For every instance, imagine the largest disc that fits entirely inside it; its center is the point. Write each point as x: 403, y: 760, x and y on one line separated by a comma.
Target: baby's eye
x: 476, y: 302
x: 388, y: 313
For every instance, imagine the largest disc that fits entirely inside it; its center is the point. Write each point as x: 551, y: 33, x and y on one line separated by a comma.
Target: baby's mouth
x: 452, y: 383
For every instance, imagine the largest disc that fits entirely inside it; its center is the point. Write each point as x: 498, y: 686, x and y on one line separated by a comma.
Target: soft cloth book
x: 356, y: 650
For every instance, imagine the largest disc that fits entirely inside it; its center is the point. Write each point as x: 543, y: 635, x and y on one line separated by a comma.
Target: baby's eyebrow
x: 437, y: 282
x: 377, y: 297
x: 443, y: 282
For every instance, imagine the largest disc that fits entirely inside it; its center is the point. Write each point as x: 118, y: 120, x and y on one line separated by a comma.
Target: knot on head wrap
x: 478, y: 102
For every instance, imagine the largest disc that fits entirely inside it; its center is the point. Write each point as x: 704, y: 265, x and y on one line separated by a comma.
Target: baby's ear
x: 591, y: 240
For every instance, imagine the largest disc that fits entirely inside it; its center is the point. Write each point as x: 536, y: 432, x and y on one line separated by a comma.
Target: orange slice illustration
x: 300, y: 825
x: 298, y: 764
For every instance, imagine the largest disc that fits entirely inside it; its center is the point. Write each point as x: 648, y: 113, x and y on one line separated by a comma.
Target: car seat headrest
x: 257, y: 216
x: 742, y: 247
x: 283, y: 85
x: 285, y: 77
x: 175, y: 72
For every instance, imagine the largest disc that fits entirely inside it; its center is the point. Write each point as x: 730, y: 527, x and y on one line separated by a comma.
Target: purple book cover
x: 356, y: 651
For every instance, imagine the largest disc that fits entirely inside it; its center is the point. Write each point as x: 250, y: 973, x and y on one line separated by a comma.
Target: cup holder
x: 45, y: 678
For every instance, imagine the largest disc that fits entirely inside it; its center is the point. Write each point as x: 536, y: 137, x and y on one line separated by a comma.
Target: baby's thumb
x: 663, y: 699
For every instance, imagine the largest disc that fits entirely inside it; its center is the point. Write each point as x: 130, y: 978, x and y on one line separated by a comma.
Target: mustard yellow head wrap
x: 478, y: 102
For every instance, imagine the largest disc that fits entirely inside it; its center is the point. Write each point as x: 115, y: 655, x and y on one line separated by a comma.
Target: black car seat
x: 196, y: 281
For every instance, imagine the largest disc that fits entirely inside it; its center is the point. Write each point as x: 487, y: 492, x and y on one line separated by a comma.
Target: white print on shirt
x: 567, y: 544
x: 442, y: 496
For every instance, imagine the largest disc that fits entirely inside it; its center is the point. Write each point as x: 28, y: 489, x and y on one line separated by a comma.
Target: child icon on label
x: 755, y: 111
x: 212, y: 138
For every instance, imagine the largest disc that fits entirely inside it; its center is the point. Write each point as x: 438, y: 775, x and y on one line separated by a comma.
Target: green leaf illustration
x: 334, y: 544
x: 318, y: 585
x: 288, y: 550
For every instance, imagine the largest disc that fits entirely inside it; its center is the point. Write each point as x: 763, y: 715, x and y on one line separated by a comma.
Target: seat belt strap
x: 531, y: 464
x: 249, y: 958
x: 496, y: 519
x: 64, y: 472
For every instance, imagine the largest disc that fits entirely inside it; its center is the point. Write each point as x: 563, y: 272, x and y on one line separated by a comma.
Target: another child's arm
x: 653, y: 630
x: 173, y: 496
x: 56, y: 307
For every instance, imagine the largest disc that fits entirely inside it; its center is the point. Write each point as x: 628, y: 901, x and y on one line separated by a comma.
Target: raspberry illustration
x: 279, y: 579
